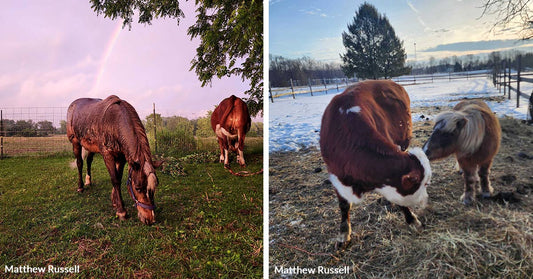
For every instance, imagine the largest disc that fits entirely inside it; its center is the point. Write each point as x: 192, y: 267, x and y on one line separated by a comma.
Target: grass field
x: 208, y: 223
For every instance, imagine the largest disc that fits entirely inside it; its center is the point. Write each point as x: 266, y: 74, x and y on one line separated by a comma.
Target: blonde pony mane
x: 472, y: 134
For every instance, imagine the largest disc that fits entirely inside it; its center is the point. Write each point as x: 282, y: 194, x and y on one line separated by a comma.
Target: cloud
x: 478, y: 45
x: 314, y: 12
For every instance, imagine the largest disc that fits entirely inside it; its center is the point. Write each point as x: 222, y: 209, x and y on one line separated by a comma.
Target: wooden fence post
x: 310, y: 88
x: 325, y: 88
x: 270, y: 92
x: 292, y: 89
x: 504, y: 77
x: 509, y: 78
x: 518, y: 81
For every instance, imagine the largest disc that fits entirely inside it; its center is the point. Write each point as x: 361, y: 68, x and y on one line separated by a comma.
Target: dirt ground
x: 491, y: 238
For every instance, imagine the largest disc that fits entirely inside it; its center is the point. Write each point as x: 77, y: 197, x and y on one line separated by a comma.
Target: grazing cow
x: 473, y: 134
x: 112, y: 128
x: 231, y: 121
x: 365, y: 132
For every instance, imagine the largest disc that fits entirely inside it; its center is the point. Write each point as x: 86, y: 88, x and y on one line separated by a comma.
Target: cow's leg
x: 240, y: 144
x: 221, y: 146
x: 410, y: 217
x: 486, y: 188
x: 345, y: 228
x: 471, y: 179
x: 116, y: 196
x: 90, y: 157
x: 76, y: 147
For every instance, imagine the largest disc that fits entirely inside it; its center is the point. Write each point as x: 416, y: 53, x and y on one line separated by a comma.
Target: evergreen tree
x: 372, y: 48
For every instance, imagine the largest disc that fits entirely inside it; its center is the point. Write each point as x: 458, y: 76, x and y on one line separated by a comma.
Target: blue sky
x: 439, y: 28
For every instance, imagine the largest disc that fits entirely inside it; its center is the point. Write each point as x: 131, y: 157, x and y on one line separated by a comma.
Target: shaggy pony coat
x: 472, y: 132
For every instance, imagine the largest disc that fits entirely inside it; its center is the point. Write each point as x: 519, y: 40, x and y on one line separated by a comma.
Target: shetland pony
x: 472, y: 132
x: 112, y: 128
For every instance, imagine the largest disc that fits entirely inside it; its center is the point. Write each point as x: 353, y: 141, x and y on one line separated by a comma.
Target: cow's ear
x: 410, y: 180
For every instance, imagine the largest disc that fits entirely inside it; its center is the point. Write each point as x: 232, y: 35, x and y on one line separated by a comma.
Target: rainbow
x: 107, y: 53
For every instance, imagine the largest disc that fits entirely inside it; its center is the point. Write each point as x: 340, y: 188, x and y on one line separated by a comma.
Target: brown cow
x: 365, y: 132
x: 230, y: 122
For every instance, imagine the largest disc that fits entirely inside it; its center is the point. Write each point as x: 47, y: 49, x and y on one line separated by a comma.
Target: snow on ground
x: 295, y: 123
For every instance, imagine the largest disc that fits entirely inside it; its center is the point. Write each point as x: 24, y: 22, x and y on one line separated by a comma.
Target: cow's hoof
x: 416, y: 226
x: 80, y: 190
x: 341, y: 245
x: 226, y: 166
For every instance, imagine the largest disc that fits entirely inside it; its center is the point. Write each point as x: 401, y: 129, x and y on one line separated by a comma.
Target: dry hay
x: 492, y: 238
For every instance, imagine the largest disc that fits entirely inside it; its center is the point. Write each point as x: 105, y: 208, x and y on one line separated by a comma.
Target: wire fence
x: 33, y: 131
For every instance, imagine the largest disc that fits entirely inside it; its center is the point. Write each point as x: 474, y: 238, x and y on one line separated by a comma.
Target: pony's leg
x: 471, y: 178
x: 410, y: 217
x: 346, y: 227
x: 486, y: 188
x: 76, y: 147
x: 116, y: 196
x: 240, y: 157
x: 90, y: 157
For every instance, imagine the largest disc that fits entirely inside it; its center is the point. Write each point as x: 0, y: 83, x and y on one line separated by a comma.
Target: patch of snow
x: 295, y: 123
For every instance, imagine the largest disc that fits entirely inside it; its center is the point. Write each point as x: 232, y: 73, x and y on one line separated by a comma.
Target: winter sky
x: 439, y: 28
x: 55, y: 51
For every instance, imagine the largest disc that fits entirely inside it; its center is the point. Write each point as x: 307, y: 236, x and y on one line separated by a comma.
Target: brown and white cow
x: 365, y: 132
x: 230, y: 122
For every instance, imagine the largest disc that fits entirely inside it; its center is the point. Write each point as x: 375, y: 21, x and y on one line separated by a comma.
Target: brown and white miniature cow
x: 472, y: 132
x: 230, y: 122
x: 365, y: 132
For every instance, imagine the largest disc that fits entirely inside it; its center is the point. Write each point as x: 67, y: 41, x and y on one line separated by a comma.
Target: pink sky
x: 55, y: 51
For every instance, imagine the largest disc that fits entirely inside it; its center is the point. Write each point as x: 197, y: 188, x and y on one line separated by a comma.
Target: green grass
x: 209, y: 223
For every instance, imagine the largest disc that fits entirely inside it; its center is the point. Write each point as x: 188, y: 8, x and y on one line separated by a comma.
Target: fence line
x: 324, y: 85
x: 504, y: 78
x: 32, y: 130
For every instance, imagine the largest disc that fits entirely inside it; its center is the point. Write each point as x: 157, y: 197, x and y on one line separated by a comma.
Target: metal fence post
x: 1, y: 134
x: 155, y: 130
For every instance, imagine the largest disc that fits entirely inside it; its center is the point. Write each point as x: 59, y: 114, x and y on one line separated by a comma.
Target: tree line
x: 200, y: 127
x: 28, y: 128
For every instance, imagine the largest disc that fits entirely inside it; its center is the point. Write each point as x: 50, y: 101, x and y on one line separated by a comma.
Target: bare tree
x: 510, y: 12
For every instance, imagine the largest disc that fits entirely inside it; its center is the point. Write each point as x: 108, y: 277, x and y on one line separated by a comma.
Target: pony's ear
x: 157, y: 164
x: 461, y: 123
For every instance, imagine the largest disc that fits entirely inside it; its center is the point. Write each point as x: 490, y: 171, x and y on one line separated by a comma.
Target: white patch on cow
x: 87, y: 180
x: 341, y: 110
x: 399, y: 148
x: 424, y: 161
x: 343, y: 190
x: 354, y: 109
x: 418, y: 198
x: 218, y: 131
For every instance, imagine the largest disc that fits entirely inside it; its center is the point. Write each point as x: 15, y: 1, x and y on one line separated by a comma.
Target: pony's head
x: 142, y: 183
x: 455, y: 132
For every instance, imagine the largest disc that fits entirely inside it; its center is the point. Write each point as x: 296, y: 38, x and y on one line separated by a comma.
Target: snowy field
x: 295, y: 123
